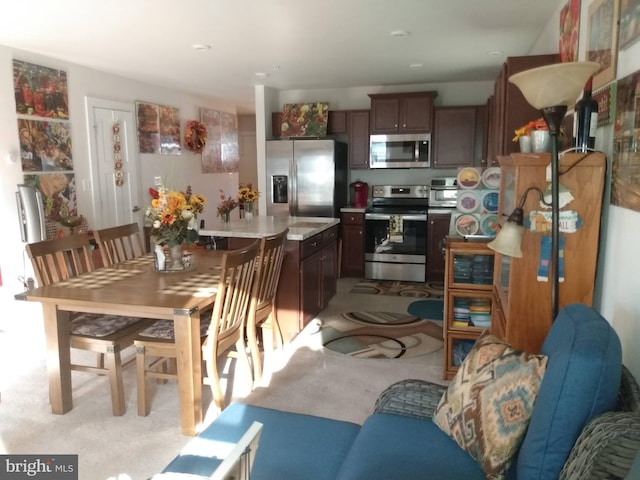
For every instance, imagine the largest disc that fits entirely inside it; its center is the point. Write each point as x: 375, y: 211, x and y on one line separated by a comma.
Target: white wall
x: 618, y: 282
x: 177, y: 170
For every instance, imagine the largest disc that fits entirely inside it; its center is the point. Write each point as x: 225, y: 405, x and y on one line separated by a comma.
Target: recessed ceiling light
x: 201, y: 46
x: 399, y: 33
x: 262, y: 75
x: 496, y: 53
x: 416, y: 66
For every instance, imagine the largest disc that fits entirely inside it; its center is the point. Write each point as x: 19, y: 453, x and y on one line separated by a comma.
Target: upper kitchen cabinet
x: 509, y: 109
x: 458, y: 136
x: 358, y: 138
x: 402, y: 112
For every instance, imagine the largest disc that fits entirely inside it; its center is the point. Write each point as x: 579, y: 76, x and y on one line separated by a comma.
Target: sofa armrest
x: 411, y: 398
x: 606, y: 447
x: 609, y: 443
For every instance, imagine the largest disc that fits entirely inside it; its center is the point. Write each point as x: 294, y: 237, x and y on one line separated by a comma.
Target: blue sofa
x: 581, y: 381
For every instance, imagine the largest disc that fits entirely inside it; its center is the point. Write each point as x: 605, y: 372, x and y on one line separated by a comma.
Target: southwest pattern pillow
x: 488, y: 404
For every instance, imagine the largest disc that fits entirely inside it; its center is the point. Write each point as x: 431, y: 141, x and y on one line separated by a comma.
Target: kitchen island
x: 310, y: 268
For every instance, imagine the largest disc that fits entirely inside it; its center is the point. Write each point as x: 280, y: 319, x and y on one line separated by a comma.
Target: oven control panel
x: 400, y: 191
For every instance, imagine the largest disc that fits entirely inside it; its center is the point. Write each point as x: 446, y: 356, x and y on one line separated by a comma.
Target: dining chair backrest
x: 268, y: 275
x: 117, y: 244
x: 232, y: 296
x: 60, y: 258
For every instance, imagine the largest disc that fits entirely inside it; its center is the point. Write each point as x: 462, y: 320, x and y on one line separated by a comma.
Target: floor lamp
x: 551, y: 89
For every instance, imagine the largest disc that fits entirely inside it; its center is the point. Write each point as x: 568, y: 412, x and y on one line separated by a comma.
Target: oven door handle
x: 387, y: 216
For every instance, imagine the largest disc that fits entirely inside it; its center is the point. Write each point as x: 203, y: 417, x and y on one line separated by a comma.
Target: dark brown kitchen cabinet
x: 337, y: 122
x: 455, y: 136
x: 437, y: 233
x: 358, y: 138
x: 402, y: 112
x: 509, y: 109
x: 308, y: 279
x: 352, y: 234
x: 276, y: 124
x: 318, y: 272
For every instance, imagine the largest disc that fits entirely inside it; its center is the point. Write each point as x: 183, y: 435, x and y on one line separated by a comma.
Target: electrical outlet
x: 157, y: 181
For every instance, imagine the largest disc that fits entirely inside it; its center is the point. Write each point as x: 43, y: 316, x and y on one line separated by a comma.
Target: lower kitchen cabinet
x: 468, y: 299
x: 352, y: 234
x: 308, y: 279
x: 437, y: 232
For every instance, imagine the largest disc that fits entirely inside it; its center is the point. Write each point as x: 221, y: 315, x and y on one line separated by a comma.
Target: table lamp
x: 551, y: 89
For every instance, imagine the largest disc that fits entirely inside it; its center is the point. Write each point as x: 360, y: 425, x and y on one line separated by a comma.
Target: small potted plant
x: 226, y: 205
x: 533, y: 137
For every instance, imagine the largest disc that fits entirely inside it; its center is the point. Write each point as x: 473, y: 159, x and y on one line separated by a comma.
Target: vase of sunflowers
x: 172, y: 216
x: 248, y: 194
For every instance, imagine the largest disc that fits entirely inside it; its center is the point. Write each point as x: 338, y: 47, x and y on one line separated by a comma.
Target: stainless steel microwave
x: 400, y: 151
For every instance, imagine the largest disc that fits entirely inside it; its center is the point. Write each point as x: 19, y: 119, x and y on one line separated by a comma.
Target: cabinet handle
x: 404, y: 125
x: 395, y: 125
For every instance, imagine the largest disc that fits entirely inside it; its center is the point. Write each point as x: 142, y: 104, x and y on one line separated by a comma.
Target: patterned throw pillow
x: 487, y: 406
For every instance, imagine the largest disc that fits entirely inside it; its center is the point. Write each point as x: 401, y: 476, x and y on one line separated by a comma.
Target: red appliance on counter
x: 359, y: 194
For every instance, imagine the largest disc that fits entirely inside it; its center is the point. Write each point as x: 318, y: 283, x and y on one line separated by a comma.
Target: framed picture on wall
x: 602, y: 39
x: 629, y: 22
x: 569, y: 31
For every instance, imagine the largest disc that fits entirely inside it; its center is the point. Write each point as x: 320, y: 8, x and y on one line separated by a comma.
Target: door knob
x: 135, y: 208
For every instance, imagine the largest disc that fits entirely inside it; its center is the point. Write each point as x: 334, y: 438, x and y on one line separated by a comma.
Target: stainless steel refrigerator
x: 306, y: 178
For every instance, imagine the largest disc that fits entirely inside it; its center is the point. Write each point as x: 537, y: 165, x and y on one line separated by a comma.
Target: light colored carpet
x: 304, y: 378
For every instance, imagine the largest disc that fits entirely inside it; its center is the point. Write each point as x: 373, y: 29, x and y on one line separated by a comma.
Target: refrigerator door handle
x: 293, y: 183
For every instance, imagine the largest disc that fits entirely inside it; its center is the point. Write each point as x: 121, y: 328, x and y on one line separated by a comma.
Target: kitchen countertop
x: 353, y: 209
x: 300, y: 228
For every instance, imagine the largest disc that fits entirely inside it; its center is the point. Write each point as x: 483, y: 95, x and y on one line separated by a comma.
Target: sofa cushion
x: 395, y: 447
x: 292, y: 445
x: 488, y: 404
x: 581, y: 381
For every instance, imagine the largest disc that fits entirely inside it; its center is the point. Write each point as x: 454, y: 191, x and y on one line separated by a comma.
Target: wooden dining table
x: 133, y: 288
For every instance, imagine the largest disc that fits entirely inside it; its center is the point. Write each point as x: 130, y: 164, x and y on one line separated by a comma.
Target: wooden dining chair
x: 262, y: 307
x: 155, y: 346
x: 117, y: 244
x: 63, y: 258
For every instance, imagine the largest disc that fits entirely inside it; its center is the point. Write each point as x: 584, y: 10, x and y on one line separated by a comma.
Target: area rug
x: 403, y: 289
x: 380, y: 335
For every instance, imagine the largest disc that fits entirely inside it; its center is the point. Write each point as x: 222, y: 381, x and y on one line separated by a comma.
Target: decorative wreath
x: 195, y: 137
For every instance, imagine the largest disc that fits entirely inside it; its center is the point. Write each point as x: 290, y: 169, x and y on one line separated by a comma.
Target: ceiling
x: 293, y: 44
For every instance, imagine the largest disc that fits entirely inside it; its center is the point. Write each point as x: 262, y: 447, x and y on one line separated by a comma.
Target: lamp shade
x: 508, y: 240
x: 554, y: 85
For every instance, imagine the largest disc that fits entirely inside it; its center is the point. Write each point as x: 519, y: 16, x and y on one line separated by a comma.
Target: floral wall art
x: 569, y: 31
x: 305, y: 119
x: 221, y: 153
x: 158, y: 129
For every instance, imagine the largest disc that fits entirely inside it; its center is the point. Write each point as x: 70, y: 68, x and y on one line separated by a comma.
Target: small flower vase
x: 525, y: 143
x: 225, y: 216
x: 540, y: 141
x: 159, y: 258
x: 174, y: 262
x: 248, y: 209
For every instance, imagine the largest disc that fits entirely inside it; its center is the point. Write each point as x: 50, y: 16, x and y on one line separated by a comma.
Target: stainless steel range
x: 396, y: 233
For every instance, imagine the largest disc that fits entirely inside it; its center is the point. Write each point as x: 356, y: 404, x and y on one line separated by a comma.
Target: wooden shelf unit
x: 476, y: 287
x: 522, y: 303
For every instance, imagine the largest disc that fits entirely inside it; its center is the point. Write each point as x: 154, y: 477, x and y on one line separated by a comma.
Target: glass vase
x: 174, y: 262
x: 226, y: 217
x: 248, y: 210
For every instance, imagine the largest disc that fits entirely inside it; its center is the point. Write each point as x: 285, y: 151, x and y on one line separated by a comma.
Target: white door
x: 114, y: 204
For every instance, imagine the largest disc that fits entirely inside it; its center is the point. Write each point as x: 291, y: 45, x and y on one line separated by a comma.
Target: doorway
x: 114, y: 202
